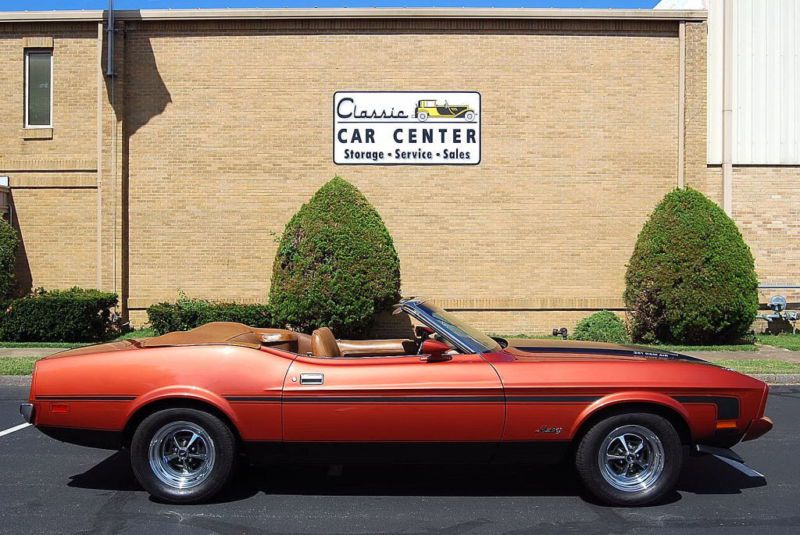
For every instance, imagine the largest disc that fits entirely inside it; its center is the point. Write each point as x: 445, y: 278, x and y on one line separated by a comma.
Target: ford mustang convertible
x: 190, y: 405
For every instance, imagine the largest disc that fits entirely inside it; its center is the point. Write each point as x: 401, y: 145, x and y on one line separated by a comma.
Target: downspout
x: 727, y: 107
x: 110, y: 40
x: 110, y: 37
x: 682, y: 105
x: 99, y: 147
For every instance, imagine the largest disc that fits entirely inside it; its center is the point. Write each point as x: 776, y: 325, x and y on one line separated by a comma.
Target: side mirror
x: 434, y: 351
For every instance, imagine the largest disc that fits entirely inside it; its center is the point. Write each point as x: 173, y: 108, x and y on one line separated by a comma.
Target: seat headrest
x: 323, y: 343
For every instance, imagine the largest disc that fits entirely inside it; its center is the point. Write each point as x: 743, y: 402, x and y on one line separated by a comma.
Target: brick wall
x: 578, y: 145
x: 53, y: 179
x: 766, y: 206
x: 219, y: 131
x: 698, y: 174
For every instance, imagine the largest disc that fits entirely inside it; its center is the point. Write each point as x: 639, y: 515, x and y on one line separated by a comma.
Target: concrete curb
x: 778, y: 378
x: 15, y: 380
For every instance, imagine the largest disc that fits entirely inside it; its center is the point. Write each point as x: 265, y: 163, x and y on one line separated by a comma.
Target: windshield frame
x: 448, y: 328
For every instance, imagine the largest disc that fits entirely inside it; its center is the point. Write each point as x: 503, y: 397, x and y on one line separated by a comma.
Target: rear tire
x: 630, y: 459
x: 183, y: 455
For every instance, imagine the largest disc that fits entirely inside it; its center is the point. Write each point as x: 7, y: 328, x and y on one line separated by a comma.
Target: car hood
x: 570, y: 349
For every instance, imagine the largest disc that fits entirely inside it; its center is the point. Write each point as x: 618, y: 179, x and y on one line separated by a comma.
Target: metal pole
x: 110, y: 39
x: 727, y: 107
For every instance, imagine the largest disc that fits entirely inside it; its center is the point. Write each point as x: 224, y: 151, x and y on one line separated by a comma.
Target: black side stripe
x: 253, y: 399
x: 610, y: 352
x: 727, y: 408
x: 85, y: 398
x: 552, y: 399
x: 414, y: 399
x: 395, y: 399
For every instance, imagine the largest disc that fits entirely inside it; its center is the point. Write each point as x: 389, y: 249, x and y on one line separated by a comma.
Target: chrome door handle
x: 312, y: 379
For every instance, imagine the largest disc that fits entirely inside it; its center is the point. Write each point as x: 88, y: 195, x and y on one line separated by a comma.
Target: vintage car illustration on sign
x: 430, y: 109
x: 189, y: 404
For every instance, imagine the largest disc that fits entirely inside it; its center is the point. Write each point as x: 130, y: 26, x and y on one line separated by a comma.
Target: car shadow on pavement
x: 701, y: 475
x: 113, y: 473
x: 708, y: 475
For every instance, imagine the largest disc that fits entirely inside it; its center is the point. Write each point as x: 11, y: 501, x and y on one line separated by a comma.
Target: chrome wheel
x: 181, y: 455
x: 631, y: 458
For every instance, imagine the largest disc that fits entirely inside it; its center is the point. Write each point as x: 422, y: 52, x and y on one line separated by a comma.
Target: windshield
x: 449, y: 325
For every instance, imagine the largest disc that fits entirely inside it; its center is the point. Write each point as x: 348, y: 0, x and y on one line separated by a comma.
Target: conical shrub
x: 336, y: 264
x: 691, y: 278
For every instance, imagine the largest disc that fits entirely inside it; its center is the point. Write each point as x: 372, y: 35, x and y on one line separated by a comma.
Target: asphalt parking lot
x: 49, y: 487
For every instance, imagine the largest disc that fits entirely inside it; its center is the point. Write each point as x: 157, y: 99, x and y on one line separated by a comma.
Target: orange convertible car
x: 190, y: 405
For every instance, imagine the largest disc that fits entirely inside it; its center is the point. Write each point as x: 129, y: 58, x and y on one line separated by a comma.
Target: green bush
x: 74, y: 315
x: 336, y: 264
x: 9, y: 241
x: 603, y: 326
x: 691, y: 279
x: 190, y: 313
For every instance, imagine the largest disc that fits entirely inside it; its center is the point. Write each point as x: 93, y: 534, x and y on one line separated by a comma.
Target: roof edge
x: 357, y: 13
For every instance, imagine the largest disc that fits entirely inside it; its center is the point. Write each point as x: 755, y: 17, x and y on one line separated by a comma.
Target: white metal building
x: 753, y: 53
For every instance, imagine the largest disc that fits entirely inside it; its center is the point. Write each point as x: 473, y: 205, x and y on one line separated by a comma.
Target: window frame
x: 28, y: 52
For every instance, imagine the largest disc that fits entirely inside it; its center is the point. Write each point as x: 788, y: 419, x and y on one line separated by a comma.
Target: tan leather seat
x: 323, y: 343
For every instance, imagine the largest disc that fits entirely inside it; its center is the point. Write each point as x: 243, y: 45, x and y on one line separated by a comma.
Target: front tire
x: 183, y: 455
x: 630, y: 459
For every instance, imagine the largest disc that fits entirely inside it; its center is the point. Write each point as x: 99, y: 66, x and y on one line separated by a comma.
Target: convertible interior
x: 320, y: 343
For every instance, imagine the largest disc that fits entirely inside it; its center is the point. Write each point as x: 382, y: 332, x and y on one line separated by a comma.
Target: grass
x: 786, y: 341
x: 680, y: 348
x: 138, y: 333
x: 760, y: 365
x: 17, y: 365
x: 63, y: 345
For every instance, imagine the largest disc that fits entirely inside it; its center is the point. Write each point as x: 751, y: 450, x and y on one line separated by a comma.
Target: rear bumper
x: 26, y: 410
x: 758, y: 427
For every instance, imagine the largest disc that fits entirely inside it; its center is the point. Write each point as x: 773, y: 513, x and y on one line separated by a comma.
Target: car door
x: 409, y: 402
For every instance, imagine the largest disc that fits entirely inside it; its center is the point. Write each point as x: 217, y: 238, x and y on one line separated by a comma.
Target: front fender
x: 632, y: 397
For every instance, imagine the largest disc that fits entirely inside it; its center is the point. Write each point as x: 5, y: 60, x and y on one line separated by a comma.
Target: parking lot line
x: 12, y: 429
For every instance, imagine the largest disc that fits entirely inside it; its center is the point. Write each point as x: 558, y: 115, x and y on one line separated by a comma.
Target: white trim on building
x: 357, y: 13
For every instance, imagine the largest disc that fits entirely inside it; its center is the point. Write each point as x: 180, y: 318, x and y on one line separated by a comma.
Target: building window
x: 39, y: 89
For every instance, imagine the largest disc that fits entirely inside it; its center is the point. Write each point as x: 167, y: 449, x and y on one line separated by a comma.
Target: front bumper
x: 26, y: 410
x: 758, y: 427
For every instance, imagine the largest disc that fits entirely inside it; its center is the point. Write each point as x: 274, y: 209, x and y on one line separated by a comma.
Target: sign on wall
x: 406, y: 128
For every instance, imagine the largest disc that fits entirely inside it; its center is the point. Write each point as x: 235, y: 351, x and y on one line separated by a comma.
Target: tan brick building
x: 179, y: 171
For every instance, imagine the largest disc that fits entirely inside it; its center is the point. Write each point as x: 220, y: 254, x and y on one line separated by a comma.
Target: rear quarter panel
x: 547, y: 394
x: 101, y: 391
